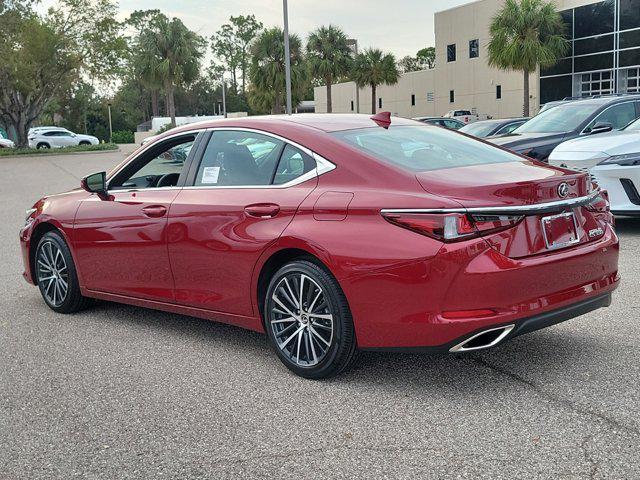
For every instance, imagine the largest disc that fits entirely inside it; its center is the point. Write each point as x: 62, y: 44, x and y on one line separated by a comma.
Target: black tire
x: 341, y: 348
x: 84, y: 142
x: 72, y: 300
x: 43, y: 145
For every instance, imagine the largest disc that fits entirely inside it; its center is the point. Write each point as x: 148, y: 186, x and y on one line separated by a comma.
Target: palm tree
x: 173, y: 52
x: 374, y: 67
x: 525, y: 34
x: 328, y: 56
x: 267, y: 71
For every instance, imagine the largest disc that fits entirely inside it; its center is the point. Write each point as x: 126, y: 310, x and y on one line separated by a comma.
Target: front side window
x: 508, y: 128
x: 451, y: 52
x: 617, y: 115
x: 160, y: 167
x: 238, y: 158
x: 417, y: 148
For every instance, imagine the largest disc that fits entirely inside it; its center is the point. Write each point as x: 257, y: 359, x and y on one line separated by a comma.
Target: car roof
x: 604, y: 100
x: 326, y: 122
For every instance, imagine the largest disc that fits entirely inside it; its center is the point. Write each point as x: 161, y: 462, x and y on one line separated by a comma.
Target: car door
x: 240, y: 198
x: 121, y: 242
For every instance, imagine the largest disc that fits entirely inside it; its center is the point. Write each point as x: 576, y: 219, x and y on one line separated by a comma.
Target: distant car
x: 612, y: 159
x: 486, y: 128
x: 56, y: 137
x: 465, y: 116
x: 450, y: 123
x: 544, y: 132
x: 5, y: 142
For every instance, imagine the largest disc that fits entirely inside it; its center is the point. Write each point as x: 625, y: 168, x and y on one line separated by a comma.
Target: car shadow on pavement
x: 628, y: 225
x: 553, y: 351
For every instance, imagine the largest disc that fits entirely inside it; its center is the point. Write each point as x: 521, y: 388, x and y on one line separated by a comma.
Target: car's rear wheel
x: 43, y: 145
x: 84, y: 142
x: 56, y: 275
x: 308, y: 321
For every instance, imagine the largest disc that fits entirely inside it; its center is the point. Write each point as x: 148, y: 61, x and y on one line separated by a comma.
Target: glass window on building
x: 380, y: 102
x: 555, y: 88
x: 633, y: 80
x: 413, y: 99
x: 451, y: 52
x: 629, y: 58
x: 594, y: 19
x: 600, y: 43
x: 474, y: 48
x: 352, y: 105
x: 452, y: 96
x: 629, y: 14
x: 498, y: 91
x: 596, y: 83
x: 629, y: 39
x: 599, y: 61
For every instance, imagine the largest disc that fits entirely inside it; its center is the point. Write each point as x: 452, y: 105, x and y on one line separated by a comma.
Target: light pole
x: 287, y: 57
x: 110, y: 128
x: 352, y: 42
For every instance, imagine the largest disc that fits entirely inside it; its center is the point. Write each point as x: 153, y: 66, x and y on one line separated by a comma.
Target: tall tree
x: 426, y: 57
x: 231, y: 45
x: 176, y: 52
x: 408, y: 64
x: 144, y: 64
x: 44, y: 55
x: 328, y: 56
x: 372, y: 68
x: 267, y: 72
x: 525, y: 34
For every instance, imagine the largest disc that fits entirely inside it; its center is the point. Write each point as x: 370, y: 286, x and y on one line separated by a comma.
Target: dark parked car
x: 450, y: 123
x: 540, y: 135
x: 486, y: 128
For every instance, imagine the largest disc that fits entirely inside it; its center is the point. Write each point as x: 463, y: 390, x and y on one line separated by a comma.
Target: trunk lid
x: 515, y: 184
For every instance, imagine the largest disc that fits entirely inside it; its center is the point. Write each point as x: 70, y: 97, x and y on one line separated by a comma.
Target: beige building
x: 604, y: 58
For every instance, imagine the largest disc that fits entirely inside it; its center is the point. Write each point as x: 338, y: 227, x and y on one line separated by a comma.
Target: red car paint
x: 201, y: 251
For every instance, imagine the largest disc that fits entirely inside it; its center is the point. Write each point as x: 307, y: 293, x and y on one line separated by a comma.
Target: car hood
x: 502, y: 184
x: 614, y: 143
x: 513, y: 141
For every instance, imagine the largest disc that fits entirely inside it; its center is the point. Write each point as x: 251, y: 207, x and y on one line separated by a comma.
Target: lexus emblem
x: 563, y: 189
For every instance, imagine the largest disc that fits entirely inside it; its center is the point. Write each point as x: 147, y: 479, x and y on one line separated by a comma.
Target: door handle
x: 154, y: 211
x: 262, y: 210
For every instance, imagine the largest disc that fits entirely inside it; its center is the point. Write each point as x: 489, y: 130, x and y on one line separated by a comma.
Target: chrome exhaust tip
x: 484, y: 339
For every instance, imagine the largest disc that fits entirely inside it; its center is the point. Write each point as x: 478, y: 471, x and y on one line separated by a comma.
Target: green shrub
x: 122, y: 136
x: 5, y: 152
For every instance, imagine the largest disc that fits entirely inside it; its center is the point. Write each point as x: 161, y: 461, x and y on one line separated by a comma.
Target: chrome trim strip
x: 509, y: 209
x: 322, y: 164
x: 461, y: 346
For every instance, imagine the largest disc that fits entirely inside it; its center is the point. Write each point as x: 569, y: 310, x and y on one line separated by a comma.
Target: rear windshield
x: 418, y: 148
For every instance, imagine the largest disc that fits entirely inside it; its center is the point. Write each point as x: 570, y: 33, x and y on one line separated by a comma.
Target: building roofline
x: 464, y: 5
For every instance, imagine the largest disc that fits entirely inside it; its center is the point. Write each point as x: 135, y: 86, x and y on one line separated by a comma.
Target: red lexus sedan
x: 331, y: 233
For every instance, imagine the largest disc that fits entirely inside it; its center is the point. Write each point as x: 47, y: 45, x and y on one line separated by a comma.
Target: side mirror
x: 601, y: 127
x: 96, y: 183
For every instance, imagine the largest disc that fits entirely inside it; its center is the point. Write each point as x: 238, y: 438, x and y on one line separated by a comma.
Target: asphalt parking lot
x: 124, y: 392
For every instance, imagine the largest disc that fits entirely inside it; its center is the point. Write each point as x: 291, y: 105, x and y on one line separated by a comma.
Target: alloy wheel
x: 301, y: 320
x: 52, y: 272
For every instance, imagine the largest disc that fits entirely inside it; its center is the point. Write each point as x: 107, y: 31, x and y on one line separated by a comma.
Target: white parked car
x: 5, y: 142
x: 57, y: 137
x: 613, y: 161
x: 465, y: 116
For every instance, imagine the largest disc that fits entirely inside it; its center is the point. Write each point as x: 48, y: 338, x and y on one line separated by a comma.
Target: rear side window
x: 293, y: 164
x: 418, y: 149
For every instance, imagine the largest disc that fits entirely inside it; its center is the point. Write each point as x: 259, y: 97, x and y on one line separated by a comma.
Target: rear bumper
x: 525, y: 325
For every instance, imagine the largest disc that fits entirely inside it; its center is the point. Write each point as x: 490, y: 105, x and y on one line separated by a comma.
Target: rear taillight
x: 600, y: 203
x: 452, y: 227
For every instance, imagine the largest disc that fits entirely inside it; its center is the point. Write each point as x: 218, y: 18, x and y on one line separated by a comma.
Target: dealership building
x: 604, y: 58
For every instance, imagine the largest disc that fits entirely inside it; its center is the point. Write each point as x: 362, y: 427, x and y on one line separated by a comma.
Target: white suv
x: 56, y: 137
x: 612, y: 160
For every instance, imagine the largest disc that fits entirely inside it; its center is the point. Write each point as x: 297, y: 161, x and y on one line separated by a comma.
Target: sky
x: 401, y: 27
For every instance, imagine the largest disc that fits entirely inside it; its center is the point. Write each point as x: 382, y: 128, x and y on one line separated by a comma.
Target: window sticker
x: 210, y: 175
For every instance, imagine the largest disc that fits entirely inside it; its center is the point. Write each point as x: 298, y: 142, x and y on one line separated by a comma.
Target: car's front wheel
x: 308, y: 320
x: 56, y: 275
